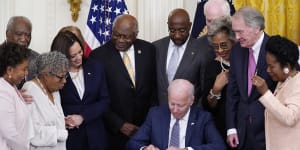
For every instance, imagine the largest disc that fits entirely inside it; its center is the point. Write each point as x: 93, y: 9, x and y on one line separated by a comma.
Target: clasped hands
x: 73, y: 121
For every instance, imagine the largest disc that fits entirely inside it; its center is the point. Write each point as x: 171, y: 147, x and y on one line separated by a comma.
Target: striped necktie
x: 128, y: 66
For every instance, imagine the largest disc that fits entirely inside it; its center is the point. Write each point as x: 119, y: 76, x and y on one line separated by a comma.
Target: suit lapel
x: 116, y: 56
x: 138, y: 56
x: 87, y: 80
x: 164, y: 57
x: 70, y: 86
x: 261, y: 66
x: 165, y: 127
x: 190, y: 126
x: 244, y: 71
x: 187, y: 58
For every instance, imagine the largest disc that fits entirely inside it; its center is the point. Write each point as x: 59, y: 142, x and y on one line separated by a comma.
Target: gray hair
x: 219, y: 25
x: 252, y: 17
x: 220, y: 4
x: 135, y: 22
x: 182, y: 85
x: 12, y: 20
x: 54, y: 62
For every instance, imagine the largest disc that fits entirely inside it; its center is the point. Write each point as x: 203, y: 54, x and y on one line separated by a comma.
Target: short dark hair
x: 12, y: 54
x: 285, y: 51
x: 63, y: 41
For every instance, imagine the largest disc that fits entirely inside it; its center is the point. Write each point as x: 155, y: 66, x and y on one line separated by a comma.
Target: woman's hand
x: 260, y: 84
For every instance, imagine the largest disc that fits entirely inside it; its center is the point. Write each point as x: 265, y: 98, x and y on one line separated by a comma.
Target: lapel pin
x: 139, y: 52
x: 89, y: 73
x: 192, y: 123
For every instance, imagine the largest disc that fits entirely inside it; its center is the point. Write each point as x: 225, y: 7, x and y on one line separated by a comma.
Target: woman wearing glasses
x: 84, y: 97
x: 221, y: 37
x: 46, y: 111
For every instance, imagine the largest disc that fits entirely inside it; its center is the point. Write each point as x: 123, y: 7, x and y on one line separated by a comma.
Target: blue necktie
x: 174, y: 141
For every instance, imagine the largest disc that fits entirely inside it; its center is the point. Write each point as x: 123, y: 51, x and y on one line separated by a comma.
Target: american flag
x: 99, y: 23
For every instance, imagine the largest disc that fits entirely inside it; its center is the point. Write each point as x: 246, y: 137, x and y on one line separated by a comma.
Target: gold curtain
x: 281, y: 16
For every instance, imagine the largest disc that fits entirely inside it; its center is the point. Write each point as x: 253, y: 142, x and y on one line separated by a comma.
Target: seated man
x: 180, y: 126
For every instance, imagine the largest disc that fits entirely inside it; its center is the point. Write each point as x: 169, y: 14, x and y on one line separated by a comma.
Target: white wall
x: 48, y: 16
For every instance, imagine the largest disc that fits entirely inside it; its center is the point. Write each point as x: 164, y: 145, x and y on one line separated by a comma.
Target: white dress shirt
x: 182, y: 126
x: 172, y: 47
x: 78, y: 80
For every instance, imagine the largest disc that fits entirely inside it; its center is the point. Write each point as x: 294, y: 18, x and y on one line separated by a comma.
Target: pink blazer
x: 15, y: 123
x: 282, y: 115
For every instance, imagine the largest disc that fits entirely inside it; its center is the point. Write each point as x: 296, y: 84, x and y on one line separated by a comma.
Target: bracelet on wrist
x: 216, y: 96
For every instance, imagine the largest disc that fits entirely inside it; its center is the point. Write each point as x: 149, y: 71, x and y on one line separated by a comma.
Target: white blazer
x: 15, y: 122
x: 48, y: 120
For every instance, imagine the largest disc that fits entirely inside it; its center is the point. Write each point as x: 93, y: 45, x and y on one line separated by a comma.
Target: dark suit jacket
x: 190, y: 68
x: 201, y: 133
x: 94, y: 103
x: 128, y: 103
x: 240, y: 108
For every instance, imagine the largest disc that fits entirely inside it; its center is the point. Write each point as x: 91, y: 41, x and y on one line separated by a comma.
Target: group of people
x: 234, y: 88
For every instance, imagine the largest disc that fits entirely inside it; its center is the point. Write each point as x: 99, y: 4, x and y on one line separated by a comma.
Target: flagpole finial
x: 74, y: 8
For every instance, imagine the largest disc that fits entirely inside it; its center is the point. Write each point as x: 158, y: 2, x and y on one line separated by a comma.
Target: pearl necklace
x: 226, y: 63
x: 50, y: 96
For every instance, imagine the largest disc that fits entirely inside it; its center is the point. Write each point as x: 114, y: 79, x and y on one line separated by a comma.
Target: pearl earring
x: 286, y: 70
x: 9, y: 76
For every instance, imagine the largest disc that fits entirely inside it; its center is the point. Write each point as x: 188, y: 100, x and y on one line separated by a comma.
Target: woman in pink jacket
x: 282, y: 108
x: 15, y: 122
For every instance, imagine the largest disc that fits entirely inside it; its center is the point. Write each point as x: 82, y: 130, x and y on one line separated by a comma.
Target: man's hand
x: 233, y: 140
x: 27, y: 98
x: 128, y: 129
x: 150, y: 147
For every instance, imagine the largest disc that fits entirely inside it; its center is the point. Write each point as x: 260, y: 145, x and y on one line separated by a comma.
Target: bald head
x: 214, y: 9
x: 18, y: 30
x: 179, y: 26
x: 125, y: 30
x: 179, y: 13
x: 127, y: 21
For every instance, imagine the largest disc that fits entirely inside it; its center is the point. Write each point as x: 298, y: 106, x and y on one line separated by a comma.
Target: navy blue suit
x: 91, y: 133
x: 243, y: 112
x: 201, y: 133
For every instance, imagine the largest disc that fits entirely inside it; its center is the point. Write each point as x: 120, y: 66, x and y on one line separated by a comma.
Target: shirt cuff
x: 190, y: 148
x: 231, y: 131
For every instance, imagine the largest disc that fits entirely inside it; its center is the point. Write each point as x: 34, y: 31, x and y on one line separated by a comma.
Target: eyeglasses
x: 181, y: 31
x: 61, y: 78
x: 222, y: 45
